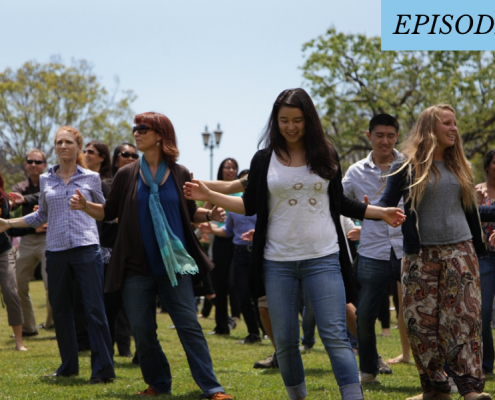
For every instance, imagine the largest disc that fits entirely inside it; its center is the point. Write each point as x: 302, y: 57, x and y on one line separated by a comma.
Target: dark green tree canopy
x: 351, y: 80
x: 36, y: 99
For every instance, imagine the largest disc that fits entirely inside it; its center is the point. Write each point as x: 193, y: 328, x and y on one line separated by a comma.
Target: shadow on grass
x: 128, y: 365
x: 188, y: 396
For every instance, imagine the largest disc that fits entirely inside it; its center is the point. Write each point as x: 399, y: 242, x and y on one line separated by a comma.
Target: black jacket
x: 4, y: 239
x: 397, y: 187
x: 256, y: 202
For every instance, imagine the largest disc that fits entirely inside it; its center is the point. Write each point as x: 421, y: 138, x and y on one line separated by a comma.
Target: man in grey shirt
x: 380, y: 248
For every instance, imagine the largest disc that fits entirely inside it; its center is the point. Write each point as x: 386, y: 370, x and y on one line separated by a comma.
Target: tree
x: 351, y: 80
x: 37, y: 99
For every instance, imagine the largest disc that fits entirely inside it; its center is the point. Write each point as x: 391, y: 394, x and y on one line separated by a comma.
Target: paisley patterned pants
x: 442, y: 310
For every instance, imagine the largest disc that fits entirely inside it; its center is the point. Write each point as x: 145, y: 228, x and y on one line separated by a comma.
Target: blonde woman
x: 440, y: 273
x: 72, y: 252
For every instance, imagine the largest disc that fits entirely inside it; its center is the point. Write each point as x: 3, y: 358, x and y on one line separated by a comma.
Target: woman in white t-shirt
x: 295, y: 189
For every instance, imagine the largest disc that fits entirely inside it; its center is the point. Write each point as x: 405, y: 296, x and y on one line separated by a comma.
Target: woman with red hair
x: 156, y: 253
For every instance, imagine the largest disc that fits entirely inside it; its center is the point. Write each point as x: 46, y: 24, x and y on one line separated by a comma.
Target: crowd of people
x: 114, y: 234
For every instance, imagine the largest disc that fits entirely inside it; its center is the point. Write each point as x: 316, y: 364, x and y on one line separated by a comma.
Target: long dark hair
x: 220, y: 168
x: 116, y: 153
x: 488, y: 160
x: 105, y: 167
x: 3, y: 194
x: 320, y: 153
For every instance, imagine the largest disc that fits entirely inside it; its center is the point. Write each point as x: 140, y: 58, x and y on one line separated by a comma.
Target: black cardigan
x: 398, y: 187
x: 256, y: 202
x: 128, y: 257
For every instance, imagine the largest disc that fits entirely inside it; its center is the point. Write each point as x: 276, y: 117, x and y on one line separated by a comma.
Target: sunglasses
x: 125, y: 154
x: 37, y: 162
x: 91, y: 151
x: 141, y: 129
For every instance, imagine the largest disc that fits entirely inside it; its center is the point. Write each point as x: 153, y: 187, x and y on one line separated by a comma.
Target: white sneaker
x: 367, y: 378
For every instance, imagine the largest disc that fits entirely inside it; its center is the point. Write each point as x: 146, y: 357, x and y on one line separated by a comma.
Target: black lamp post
x: 212, y: 141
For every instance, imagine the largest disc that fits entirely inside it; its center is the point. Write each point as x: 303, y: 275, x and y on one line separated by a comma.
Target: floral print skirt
x: 442, y: 311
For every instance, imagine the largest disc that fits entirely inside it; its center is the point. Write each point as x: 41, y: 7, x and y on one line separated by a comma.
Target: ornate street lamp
x: 212, y: 141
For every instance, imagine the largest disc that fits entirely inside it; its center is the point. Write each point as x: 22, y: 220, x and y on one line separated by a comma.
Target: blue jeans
x: 487, y: 276
x: 322, y: 280
x: 309, y: 326
x: 139, y: 294
x: 374, y: 277
x: 85, y: 264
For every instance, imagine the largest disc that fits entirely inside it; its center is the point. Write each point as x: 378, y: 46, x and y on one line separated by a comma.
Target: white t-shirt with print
x: 300, y: 226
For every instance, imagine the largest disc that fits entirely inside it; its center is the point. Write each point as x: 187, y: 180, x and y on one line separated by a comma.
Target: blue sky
x: 198, y: 62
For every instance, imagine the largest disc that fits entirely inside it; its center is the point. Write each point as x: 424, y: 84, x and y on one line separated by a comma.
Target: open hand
x: 16, y: 198
x: 393, y: 216
x: 205, y: 227
x: 482, y: 195
x: 42, y: 228
x: 218, y: 214
x: 196, y: 190
x: 492, y: 239
x: 248, y: 236
x: 354, y: 234
x: 78, y: 201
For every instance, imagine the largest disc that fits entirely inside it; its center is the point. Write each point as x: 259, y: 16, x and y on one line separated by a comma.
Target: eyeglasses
x: 91, y: 151
x: 125, y: 154
x: 37, y: 162
x: 141, y: 129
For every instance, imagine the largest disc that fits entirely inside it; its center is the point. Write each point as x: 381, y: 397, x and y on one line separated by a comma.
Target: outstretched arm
x: 6, y: 224
x: 197, y: 190
x: 79, y: 202
x: 225, y: 187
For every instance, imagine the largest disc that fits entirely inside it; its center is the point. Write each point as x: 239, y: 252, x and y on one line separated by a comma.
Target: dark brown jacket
x: 128, y: 254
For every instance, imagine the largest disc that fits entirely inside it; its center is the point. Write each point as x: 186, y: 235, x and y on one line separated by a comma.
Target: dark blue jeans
x: 85, y: 264
x: 487, y: 276
x: 139, y: 294
x: 374, y: 277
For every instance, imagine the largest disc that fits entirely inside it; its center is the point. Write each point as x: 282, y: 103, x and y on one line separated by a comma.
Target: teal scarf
x: 175, y: 257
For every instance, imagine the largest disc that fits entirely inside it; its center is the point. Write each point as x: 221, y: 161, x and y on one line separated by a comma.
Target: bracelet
x: 9, y: 223
x: 208, y: 215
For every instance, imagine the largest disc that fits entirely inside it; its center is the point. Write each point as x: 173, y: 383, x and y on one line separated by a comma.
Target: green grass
x: 21, y: 372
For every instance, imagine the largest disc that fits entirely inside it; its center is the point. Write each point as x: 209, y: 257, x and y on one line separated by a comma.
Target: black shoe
x: 83, y: 347
x: 219, y: 331
x: 232, y: 324
x: 27, y: 334
x: 269, y: 362
x: 383, y: 367
x: 135, y: 359
x: 57, y: 375
x: 125, y: 354
x: 251, y: 338
x: 96, y: 381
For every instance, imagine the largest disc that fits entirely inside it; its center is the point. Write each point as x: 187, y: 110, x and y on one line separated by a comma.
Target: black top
x: 107, y: 231
x: 4, y: 239
x: 256, y: 202
x: 31, y: 193
x: 397, y: 187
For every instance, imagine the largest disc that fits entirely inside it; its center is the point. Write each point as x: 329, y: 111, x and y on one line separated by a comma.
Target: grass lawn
x: 21, y: 372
